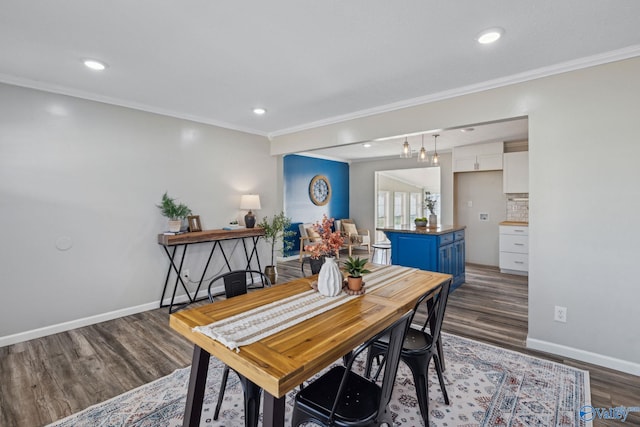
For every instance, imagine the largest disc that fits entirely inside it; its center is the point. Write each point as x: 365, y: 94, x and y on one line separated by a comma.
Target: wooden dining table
x: 280, y: 362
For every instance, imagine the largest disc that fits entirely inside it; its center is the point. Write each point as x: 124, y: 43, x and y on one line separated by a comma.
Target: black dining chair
x: 235, y: 283
x: 419, y: 347
x: 341, y: 397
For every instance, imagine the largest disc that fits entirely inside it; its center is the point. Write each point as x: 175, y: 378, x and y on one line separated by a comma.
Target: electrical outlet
x: 560, y: 314
x: 185, y: 274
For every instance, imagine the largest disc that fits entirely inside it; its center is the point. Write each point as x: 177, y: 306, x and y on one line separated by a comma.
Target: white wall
x: 484, y: 191
x: 93, y: 173
x: 584, y: 197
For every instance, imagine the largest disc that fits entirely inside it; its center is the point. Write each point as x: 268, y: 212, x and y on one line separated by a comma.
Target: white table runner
x: 253, y: 325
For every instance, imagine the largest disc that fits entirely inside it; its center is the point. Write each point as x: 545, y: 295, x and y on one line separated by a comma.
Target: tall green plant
x: 275, y: 230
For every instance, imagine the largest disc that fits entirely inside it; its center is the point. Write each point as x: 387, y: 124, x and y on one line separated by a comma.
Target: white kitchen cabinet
x: 516, y: 172
x: 514, y: 249
x: 478, y: 157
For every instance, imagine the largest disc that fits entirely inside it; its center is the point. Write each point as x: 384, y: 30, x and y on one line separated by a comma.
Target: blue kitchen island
x: 438, y: 249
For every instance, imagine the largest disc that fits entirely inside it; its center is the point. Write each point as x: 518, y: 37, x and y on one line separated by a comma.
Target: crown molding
x: 563, y: 67
x: 321, y: 156
x: 62, y: 90
x: 577, y: 64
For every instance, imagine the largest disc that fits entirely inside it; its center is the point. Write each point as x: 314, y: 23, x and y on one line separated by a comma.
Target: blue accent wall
x: 298, y: 171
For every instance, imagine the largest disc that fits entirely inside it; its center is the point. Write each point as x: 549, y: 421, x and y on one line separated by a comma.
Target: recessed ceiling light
x: 94, y: 64
x: 489, y: 36
x: 366, y: 145
x: 259, y: 111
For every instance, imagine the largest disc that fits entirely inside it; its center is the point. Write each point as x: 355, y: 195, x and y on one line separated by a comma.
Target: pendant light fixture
x: 434, y: 159
x: 406, y: 150
x: 423, y: 157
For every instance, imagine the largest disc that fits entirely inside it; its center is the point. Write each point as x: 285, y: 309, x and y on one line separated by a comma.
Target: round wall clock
x: 320, y: 190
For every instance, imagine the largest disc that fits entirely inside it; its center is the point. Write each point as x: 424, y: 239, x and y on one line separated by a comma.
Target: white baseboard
x: 91, y: 320
x: 103, y: 317
x: 584, y: 356
x: 73, y: 324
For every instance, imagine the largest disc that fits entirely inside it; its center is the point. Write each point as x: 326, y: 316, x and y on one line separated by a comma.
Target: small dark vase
x: 316, y: 264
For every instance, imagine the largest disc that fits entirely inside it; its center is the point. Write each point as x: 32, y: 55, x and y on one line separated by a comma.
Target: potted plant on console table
x: 174, y: 212
x: 355, y: 270
x: 275, y: 230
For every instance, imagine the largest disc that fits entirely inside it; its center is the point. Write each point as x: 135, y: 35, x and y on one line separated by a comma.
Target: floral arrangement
x: 330, y: 241
x: 430, y: 202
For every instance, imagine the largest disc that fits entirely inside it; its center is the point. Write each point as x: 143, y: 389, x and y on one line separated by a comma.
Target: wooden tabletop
x: 208, y: 236
x: 284, y: 360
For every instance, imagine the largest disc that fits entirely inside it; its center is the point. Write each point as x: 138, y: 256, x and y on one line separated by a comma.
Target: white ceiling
x: 510, y: 131
x: 307, y: 62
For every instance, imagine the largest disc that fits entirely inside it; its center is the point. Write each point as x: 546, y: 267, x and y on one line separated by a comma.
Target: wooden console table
x: 171, y: 243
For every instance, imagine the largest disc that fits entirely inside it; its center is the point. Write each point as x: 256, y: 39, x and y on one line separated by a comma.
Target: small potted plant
x: 420, y: 221
x: 355, y: 269
x: 275, y: 230
x: 174, y: 212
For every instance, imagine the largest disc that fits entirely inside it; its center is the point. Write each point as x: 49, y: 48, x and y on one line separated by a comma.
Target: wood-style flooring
x: 46, y: 379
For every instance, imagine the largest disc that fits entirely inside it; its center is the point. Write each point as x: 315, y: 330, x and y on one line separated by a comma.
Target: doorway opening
x: 400, y: 196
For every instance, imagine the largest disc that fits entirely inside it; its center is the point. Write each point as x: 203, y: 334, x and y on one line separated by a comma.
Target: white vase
x: 330, y: 278
x: 175, y: 225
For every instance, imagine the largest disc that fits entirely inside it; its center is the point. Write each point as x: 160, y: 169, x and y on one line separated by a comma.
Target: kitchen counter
x: 436, y: 231
x: 440, y: 249
x: 515, y: 223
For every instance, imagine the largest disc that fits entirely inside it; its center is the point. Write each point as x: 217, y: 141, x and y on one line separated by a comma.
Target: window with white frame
x: 383, y: 209
x: 383, y: 214
x: 400, y: 208
x: 415, y: 206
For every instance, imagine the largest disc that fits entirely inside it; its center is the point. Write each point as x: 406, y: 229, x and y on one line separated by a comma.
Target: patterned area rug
x: 487, y: 386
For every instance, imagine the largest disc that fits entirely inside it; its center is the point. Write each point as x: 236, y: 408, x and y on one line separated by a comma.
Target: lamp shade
x: 250, y: 201
x: 406, y: 150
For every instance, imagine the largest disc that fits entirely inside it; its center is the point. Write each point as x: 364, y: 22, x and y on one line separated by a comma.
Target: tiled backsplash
x: 518, y: 207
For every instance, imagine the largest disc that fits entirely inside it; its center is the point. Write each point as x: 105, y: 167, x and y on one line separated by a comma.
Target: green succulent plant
x: 355, y: 267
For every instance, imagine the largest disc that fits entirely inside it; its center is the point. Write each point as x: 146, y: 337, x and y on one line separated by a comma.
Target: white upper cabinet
x: 516, y: 172
x: 478, y: 157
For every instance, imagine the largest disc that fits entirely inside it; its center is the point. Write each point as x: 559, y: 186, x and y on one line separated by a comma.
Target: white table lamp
x: 250, y: 201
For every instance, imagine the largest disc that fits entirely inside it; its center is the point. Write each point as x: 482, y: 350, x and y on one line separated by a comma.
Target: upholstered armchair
x: 308, y: 236
x: 353, y: 237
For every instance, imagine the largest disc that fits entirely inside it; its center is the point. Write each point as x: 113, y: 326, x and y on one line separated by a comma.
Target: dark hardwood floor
x: 46, y: 379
